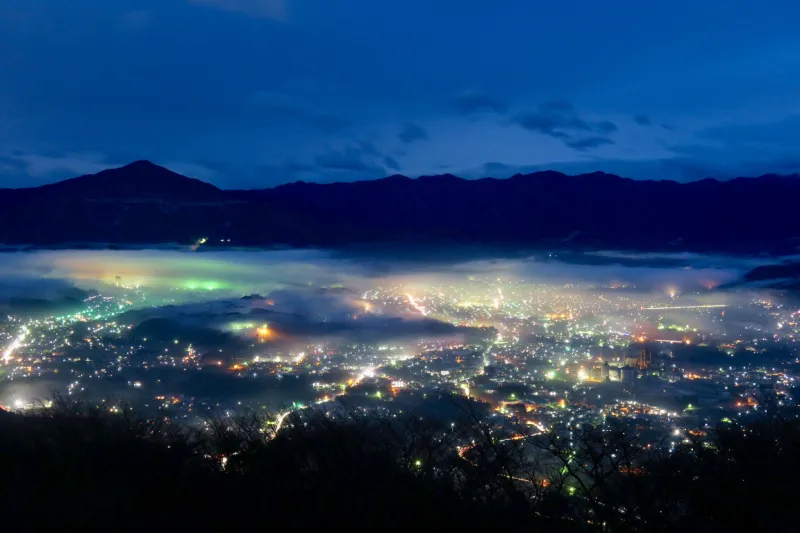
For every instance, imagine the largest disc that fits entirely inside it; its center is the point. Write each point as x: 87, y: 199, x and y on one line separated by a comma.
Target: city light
x: 544, y: 357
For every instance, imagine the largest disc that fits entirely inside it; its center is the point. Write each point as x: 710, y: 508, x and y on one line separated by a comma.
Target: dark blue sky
x: 249, y: 93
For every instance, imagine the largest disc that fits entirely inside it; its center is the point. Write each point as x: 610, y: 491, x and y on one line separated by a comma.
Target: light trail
x: 416, y: 306
x: 279, y: 421
x: 14, y: 345
x: 369, y: 372
x: 462, y: 450
x: 710, y: 306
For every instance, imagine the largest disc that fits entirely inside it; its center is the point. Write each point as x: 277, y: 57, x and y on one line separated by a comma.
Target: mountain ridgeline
x: 143, y: 203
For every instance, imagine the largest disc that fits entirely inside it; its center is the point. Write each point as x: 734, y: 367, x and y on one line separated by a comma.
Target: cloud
x: 315, y: 302
x: 469, y: 103
x: 48, y: 165
x: 297, y: 315
x: 38, y: 288
x: 273, y: 9
x: 391, y: 163
x: 733, y: 150
x: 587, y: 143
x: 412, y: 132
x: 721, y: 152
x: 281, y: 106
x: 605, y: 127
x: 359, y: 158
x: 551, y: 122
x: 28, y: 295
x: 642, y: 120
x: 558, y: 119
x: 368, y: 148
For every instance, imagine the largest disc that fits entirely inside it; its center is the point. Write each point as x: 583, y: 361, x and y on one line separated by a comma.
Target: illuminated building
x: 645, y: 359
x: 630, y: 360
x: 599, y: 372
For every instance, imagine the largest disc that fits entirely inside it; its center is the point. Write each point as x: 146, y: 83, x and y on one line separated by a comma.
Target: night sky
x: 253, y: 93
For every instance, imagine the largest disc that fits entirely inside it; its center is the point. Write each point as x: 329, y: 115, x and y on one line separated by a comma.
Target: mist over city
x: 280, y: 328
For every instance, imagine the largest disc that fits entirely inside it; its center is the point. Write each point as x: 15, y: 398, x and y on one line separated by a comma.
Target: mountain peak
x: 140, y: 179
x: 143, y: 164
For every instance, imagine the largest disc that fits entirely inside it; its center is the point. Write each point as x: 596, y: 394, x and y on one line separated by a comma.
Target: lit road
x: 15, y: 344
x: 279, y: 421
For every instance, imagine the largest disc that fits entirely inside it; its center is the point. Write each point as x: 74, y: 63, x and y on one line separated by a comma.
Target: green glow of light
x: 239, y: 326
x: 202, y: 284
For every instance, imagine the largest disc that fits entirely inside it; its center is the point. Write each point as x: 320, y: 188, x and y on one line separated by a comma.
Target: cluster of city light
x: 562, y: 350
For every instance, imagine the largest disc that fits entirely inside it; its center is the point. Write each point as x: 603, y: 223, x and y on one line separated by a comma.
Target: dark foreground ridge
x: 143, y: 203
x: 71, y: 469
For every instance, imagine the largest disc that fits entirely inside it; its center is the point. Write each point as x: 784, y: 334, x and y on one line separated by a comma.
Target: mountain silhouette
x: 143, y: 203
x: 140, y: 179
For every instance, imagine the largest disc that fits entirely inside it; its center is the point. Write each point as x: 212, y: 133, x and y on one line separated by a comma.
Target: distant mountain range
x: 143, y: 203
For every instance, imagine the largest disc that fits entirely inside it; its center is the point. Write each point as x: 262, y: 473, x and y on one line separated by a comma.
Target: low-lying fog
x: 219, y: 299
x: 41, y: 274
